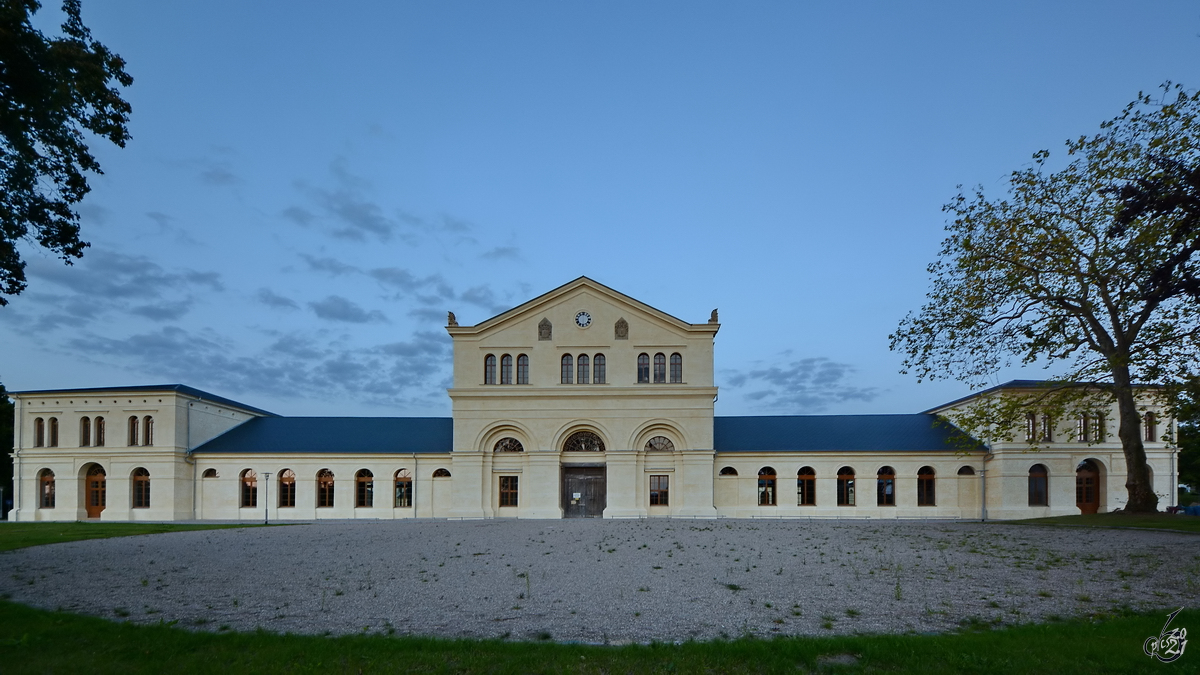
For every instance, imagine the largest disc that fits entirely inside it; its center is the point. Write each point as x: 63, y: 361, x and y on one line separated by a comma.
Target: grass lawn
x: 39, y: 641
x: 1150, y: 521
x: 20, y: 535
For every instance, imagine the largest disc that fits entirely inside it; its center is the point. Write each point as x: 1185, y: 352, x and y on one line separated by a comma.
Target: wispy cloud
x: 337, y: 308
x: 804, y: 385
x: 272, y: 299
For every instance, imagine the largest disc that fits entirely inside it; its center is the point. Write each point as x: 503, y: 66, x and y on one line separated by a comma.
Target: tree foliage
x: 53, y: 92
x: 1070, y: 269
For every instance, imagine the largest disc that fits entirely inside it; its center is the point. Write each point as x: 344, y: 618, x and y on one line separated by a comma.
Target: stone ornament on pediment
x: 544, y: 329
x: 451, y: 320
x: 621, y: 330
x: 713, y: 318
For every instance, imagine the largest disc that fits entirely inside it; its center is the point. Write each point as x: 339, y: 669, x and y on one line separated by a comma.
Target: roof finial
x: 451, y: 320
x: 713, y: 318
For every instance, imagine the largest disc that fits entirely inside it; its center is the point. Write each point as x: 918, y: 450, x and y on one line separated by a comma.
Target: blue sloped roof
x: 337, y: 435
x: 146, y: 388
x: 806, y: 433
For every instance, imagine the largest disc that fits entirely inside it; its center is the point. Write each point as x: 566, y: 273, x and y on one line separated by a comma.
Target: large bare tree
x: 1069, y: 270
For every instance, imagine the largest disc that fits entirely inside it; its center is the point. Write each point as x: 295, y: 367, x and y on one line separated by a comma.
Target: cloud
x: 437, y: 316
x: 396, y: 374
x: 330, y: 265
x: 804, y: 385
x: 163, y: 311
x: 355, y: 216
x: 502, y: 253
x: 299, y: 215
x: 108, y: 275
x: 337, y: 308
x: 484, y: 297
x: 271, y: 299
x: 218, y: 175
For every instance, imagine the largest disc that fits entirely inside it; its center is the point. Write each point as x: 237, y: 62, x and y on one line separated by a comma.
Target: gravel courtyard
x: 609, y: 581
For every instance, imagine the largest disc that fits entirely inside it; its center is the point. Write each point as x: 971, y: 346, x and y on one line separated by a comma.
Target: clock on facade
x: 583, y: 319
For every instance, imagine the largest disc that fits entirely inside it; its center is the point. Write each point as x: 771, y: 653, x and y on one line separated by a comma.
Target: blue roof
x: 146, y: 388
x: 337, y: 435
x: 810, y: 433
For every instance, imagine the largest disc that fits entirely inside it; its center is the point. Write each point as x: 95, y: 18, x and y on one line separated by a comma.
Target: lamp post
x: 266, y: 498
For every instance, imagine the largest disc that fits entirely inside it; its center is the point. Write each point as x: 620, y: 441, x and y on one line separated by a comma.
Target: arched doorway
x: 584, y: 484
x: 95, y: 487
x: 1087, y: 487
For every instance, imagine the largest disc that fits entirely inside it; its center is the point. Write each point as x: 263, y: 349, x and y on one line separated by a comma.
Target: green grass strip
x: 1149, y: 521
x: 36, y: 641
x: 20, y: 535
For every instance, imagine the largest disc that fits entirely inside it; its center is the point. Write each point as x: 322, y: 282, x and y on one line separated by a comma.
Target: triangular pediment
x: 581, y: 292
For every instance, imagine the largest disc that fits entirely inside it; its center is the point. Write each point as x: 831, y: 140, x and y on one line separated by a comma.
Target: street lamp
x: 266, y: 498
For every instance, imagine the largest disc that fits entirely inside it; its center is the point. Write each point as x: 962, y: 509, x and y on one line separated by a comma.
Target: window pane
x: 566, y: 369
x: 522, y: 369
x: 599, y: 366
x: 506, y: 369
x: 584, y: 367
x: 660, y: 368
x: 676, y: 368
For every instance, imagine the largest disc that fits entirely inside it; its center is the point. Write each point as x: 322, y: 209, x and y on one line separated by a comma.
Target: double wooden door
x: 584, y: 491
x: 96, y: 488
x: 1087, y: 488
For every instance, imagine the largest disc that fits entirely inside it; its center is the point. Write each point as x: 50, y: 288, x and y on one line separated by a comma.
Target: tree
x: 1065, y: 270
x: 1186, y: 408
x: 7, y: 420
x: 51, y: 92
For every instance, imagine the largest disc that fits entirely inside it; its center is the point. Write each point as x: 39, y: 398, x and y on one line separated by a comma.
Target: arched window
x: 508, y: 444
x: 85, y: 432
x: 364, y: 493
x: 1031, y: 427
x: 209, y: 473
x: 148, y: 430
x: 52, y: 441
x: 926, y: 487
x: 583, y: 441
x: 966, y: 471
x: 1039, y: 485
x: 324, y: 489
x: 141, y: 489
x: 133, y: 431
x: 46, y: 489
x: 566, y: 369
x: 845, y: 486
x: 660, y: 368
x: 766, y: 486
x: 522, y: 369
x: 404, y: 492
x: 97, y: 491
x: 806, y: 487
x: 39, y: 433
x: 287, y: 489
x: 643, y: 368
x: 99, y: 423
x: 489, y: 369
x: 598, y: 368
x: 441, y: 473
x: 728, y: 471
x: 1089, y: 428
x: 677, y: 368
x: 584, y: 369
x: 1151, y: 427
x: 506, y: 369
x: 660, y: 443
x: 249, y: 481
x: 1047, y: 429
x: 885, y: 487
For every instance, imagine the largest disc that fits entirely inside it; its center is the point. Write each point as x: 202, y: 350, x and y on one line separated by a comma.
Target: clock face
x: 583, y: 319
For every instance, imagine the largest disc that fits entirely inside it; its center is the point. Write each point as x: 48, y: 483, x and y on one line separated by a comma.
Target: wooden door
x: 96, y: 497
x: 1087, y: 488
x: 584, y: 492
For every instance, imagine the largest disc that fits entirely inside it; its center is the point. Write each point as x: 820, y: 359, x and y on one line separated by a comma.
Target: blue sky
x: 311, y: 186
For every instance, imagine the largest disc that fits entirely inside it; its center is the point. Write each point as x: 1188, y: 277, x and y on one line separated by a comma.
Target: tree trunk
x: 1137, y: 474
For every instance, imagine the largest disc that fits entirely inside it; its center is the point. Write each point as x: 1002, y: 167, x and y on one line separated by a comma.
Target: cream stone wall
x: 542, y: 414
x: 172, y: 477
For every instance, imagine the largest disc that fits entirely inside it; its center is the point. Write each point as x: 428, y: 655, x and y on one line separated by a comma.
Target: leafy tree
x: 1066, y: 270
x: 1187, y: 411
x: 51, y: 92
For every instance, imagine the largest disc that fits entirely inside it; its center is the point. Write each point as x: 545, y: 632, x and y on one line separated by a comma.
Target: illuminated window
x: 46, y: 489
x: 885, y: 487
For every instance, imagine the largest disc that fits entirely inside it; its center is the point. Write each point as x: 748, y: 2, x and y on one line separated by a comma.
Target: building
x: 582, y: 402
